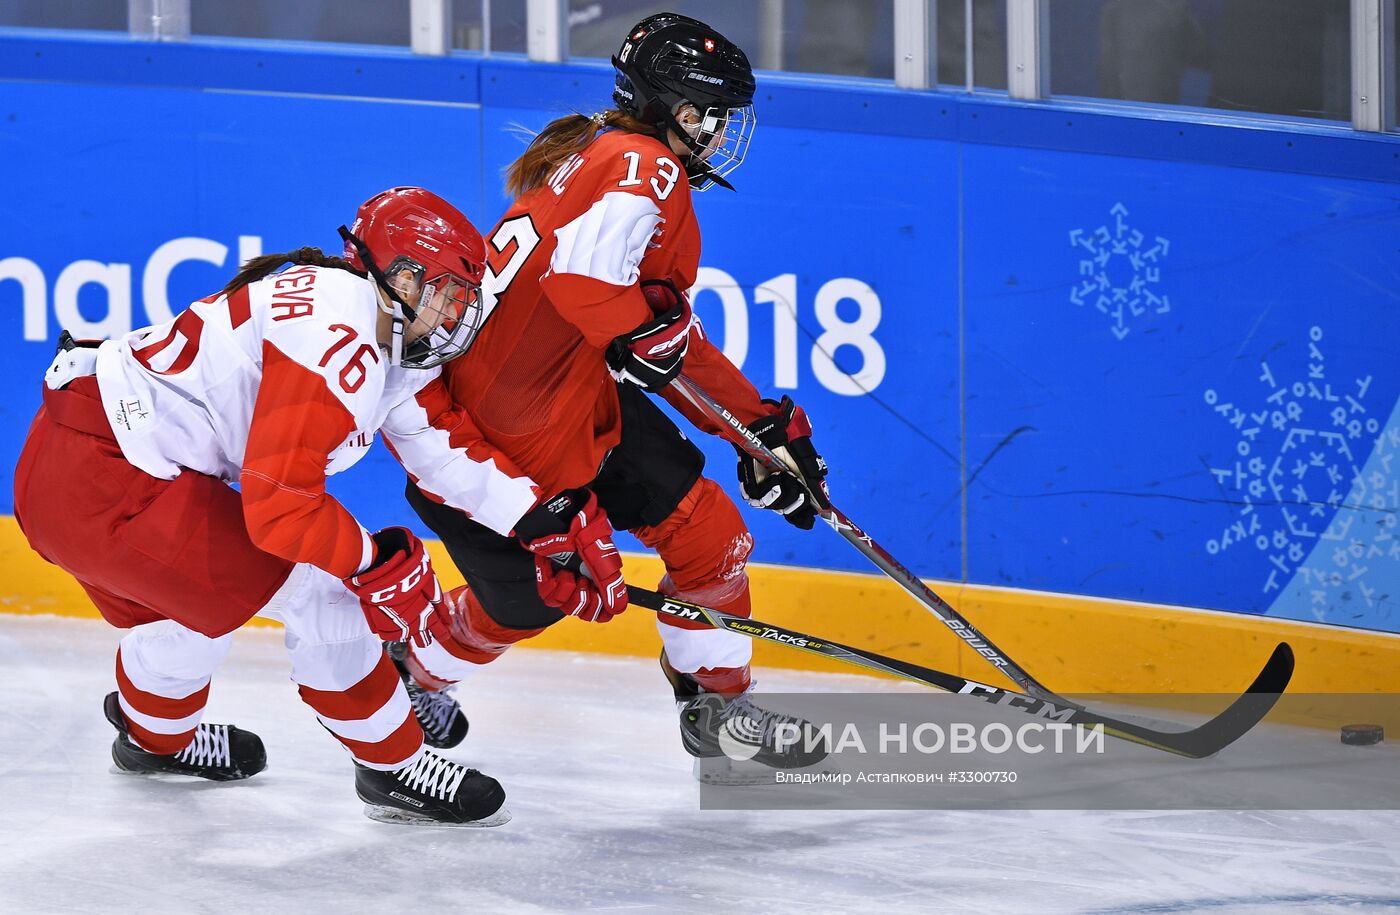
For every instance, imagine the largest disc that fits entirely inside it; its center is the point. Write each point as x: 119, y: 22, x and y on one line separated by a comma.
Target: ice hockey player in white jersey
x: 273, y: 384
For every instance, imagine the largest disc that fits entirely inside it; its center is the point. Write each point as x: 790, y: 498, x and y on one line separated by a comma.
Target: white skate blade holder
x: 406, y: 818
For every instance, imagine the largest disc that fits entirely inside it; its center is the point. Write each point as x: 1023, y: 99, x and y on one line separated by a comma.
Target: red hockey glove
x: 572, y: 593
x: 399, y: 591
x: 651, y: 356
x: 788, y: 434
x: 573, y: 522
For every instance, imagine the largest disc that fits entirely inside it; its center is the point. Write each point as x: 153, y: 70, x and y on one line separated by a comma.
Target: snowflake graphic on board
x: 1300, y: 471
x: 1118, y: 275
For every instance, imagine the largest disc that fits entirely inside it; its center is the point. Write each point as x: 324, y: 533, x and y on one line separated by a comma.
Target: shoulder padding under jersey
x: 323, y: 319
x: 608, y: 240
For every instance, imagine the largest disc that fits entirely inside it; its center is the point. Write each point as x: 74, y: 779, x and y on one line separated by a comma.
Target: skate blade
x: 175, y: 777
x: 405, y: 818
x: 721, y: 770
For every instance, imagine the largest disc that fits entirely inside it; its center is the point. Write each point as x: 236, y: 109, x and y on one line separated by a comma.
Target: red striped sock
x: 147, y: 733
x: 346, y: 714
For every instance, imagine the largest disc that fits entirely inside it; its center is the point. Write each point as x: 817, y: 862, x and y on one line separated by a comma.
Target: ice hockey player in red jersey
x: 278, y: 381
x: 585, y: 313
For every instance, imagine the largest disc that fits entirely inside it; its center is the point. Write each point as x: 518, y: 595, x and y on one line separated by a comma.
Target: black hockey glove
x: 788, y: 434
x: 651, y: 355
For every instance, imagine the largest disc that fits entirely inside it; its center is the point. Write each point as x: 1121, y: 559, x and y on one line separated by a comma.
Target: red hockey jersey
x: 564, y: 267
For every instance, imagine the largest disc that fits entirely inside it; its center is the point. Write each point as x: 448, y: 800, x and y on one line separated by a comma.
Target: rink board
x: 1075, y: 644
x: 1091, y: 366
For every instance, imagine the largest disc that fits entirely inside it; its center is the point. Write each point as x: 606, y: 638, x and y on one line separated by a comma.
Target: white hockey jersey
x: 278, y: 386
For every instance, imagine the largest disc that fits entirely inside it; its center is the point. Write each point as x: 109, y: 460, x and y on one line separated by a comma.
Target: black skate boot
x: 736, y: 742
x: 432, y: 791
x: 439, y: 714
x: 220, y: 752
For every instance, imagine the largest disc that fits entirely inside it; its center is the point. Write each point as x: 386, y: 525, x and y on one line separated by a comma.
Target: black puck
x: 1362, y: 735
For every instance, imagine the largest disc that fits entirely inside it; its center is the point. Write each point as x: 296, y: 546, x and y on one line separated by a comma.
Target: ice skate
x: 219, y: 752
x: 438, y: 712
x: 737, y: 742
x: 431, y: 792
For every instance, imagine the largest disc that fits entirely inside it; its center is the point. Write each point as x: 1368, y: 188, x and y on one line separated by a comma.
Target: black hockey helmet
x: 668, y: 61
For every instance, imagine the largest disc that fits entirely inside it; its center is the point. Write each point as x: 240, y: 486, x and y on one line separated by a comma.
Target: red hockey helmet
x: 429, y: 259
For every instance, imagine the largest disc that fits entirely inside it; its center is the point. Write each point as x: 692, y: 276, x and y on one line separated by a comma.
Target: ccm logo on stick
x: 678, y: 610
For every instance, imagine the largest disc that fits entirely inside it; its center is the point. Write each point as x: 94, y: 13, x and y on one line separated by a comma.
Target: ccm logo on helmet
x: 427, y: 244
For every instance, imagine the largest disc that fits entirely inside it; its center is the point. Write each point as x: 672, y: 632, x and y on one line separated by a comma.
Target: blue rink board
x: 1146, y: 325
x: 1268, y: 304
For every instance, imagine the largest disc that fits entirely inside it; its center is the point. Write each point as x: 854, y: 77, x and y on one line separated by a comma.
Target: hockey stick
x: 862, y: 541
x: 1205, y: 740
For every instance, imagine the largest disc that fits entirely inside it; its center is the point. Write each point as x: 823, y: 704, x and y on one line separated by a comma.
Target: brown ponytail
x: 559, y: 140
x: 258, y: 267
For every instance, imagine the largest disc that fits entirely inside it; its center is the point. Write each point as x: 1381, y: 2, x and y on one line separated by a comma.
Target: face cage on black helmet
x: 448, y: 304
x: 718, y: 137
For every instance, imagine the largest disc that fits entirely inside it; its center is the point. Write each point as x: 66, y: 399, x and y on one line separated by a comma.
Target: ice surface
x: 606, y: 816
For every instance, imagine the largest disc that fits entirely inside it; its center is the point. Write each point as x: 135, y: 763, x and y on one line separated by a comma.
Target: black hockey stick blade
x: 1205, y: 740
x: 1222, y: 730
